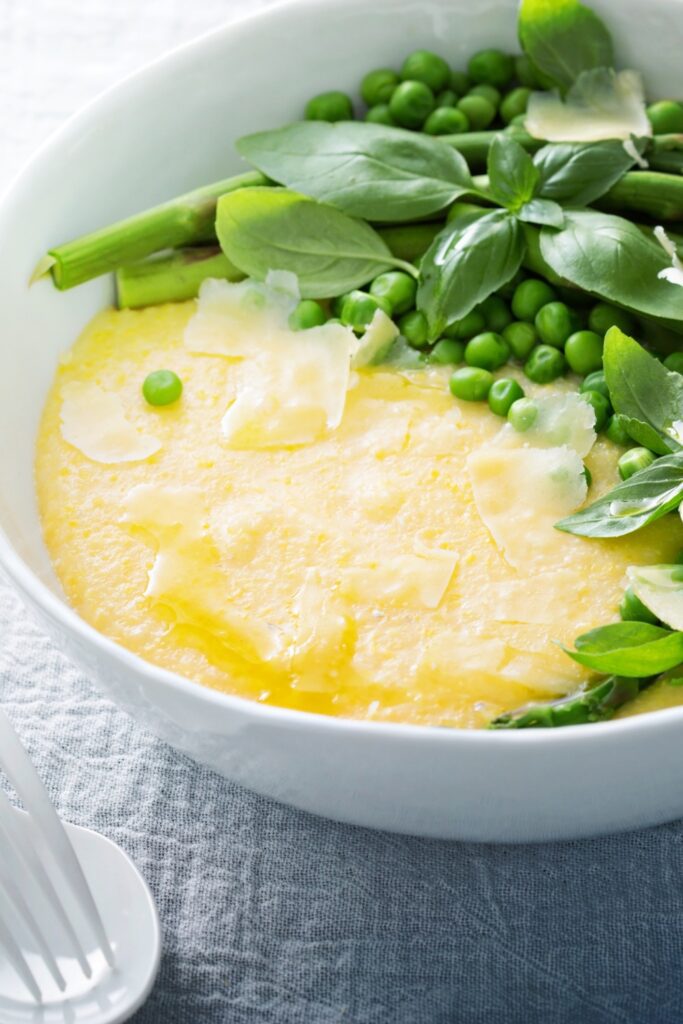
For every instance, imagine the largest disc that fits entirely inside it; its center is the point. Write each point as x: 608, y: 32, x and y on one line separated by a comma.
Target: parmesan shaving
x: 602, y: 104
x: 95, y: 421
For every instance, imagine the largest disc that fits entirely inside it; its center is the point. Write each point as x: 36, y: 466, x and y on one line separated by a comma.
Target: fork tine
x: 25, y: 779
x: 18, y: 961
x: 7, y: 881
x: 15, y: 836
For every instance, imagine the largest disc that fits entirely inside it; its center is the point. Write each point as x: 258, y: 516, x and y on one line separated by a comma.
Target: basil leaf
x: 262, y: 229
x: 660, y: 588
x: 562, y: 38
x: 629, y: 649
x: 367, y: 170
x: 512, y: 174
x: 544, y: 212
x: 645, y: 393
x: 577, y: 174
x: 611, y: 258
x: 592, y: 705
x: 464, y: 266
x: 638, y: 501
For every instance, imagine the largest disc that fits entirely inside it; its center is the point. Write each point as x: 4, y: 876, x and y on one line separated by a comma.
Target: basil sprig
x: 262, y: 229
x: 562, y: 38
x: 629, y: 649
x: 646, y: 395
x: 463, y: 266
x: 368, y: 170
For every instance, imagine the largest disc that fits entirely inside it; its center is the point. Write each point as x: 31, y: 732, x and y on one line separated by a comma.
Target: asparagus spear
x: 172, y: 278
x: 183, y: 221
x: 666, y: 153
x: 653, y: 193
x: 178, y: 275
x: 596, y: 704
x: 474, y: 146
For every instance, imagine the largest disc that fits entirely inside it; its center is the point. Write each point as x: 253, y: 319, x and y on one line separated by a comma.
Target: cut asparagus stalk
x: 187, y: 220
x: 653, y: 193
x: 474, y: 146
x: 596, y: 704
x: 665, y: 153
x: 176, y: 276
x: 172, y: 278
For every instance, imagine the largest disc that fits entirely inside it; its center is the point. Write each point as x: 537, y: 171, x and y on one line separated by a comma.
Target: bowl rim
x: 57, y: 608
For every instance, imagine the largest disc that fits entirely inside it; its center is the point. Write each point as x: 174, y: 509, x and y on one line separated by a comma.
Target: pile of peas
x: 528, y: 321
x: 426, y: 95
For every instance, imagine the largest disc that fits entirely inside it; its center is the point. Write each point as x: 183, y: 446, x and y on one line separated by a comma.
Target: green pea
x: 522, y: 414
x: 413, y: 327
x: 616, y: 431
x: 515, y: 104
x: 492, y: 67
x: 601, y: 407
x: 525, y: 73
x: 378, y: 86
x: 632, y: 461
x: 666, y: 117
x: 380, y: 114
x: 471, y: 383
x: 447, y: 352
x: 478, y: 111
x: 503, y: 394
x: 596, y: 382
x: 530, y: 296
x: 329, y: 106
x: 308, y: 313
x: 583, y: 350
x: 459, y: 82
x: 411, y: 104
x: 521, y: 337
x: 473, y: 323
x: 489, y: 92
x: 447, y: 98
x: 674, y: 362
x: 632, y: 609
x: 545, y: 364
x: 489, y: 351
x: 358, y: 309
x: 555, y: 322
x: 397, y: 288
x: 425, y: 66
x: 496, y: 313
x: 446, y: 121
x: 162, y: 387
x: 603, y: 316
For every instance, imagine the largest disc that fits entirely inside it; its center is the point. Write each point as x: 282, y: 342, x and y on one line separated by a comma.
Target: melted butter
x: 352, y: 575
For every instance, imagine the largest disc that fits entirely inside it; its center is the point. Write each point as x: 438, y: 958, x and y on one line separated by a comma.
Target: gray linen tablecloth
x: 272, y: 916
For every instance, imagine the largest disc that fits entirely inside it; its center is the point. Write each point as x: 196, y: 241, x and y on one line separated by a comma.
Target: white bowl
x: 170, y: 128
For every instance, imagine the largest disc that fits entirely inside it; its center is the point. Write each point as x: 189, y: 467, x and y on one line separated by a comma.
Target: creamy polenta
x: 382, y: 554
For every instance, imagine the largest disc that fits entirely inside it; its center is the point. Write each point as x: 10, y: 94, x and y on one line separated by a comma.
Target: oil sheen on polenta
x: 351, y: 575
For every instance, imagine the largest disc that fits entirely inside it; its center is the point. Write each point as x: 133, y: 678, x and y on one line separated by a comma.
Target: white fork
x: 54, y: 905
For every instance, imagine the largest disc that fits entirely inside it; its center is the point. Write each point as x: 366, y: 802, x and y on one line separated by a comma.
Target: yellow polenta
x: 350, y: 575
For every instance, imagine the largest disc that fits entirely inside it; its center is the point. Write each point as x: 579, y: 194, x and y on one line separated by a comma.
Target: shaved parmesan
x: 521, y: 493
x: 674, y: 273
x: 293, y: 391
x: 660, y: 588
x: 186, y: 576
x: 564, y: 419
x: 232, y: 319
x: 539, y: 599
x: 95, y: 421
x: 602, y: 104
x: 377, y: 340
x: 412, y: 580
